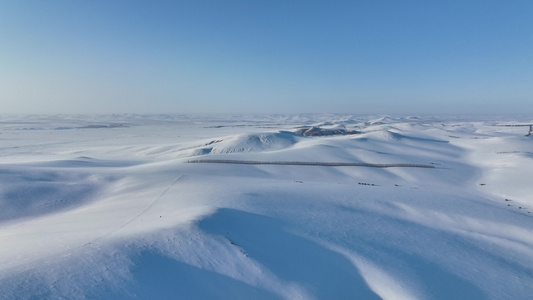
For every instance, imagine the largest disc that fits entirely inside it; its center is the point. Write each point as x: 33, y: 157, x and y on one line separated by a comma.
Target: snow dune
x: 107, y: 207
x: 250, y: 142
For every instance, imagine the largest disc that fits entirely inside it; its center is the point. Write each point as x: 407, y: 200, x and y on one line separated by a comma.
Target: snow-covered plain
x: 110, y: 207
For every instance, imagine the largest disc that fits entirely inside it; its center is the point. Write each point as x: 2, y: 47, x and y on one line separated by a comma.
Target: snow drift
x: 251, y: 142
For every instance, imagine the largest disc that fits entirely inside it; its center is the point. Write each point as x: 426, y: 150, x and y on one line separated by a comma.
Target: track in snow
x: 308, y: 163
x: 139, y: 214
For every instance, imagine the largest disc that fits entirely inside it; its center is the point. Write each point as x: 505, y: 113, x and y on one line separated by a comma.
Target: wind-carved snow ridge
x: 251, y: 142
x: 265, y: 207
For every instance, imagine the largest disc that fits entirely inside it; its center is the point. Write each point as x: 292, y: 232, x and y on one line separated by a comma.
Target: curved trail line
x: 151, y: 204
x: 64, y: 252
x: 308, y: 163
x: 139, y: 214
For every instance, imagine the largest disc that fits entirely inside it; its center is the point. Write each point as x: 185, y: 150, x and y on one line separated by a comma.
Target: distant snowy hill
x: 110, y: 207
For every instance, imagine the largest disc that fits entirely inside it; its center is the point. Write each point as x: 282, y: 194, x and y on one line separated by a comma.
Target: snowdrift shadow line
x: 308, y: 163
x: 322, y: 272
x: 156, y: 276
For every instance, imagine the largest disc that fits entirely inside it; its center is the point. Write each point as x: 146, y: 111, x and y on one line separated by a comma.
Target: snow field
x: 92, y: 209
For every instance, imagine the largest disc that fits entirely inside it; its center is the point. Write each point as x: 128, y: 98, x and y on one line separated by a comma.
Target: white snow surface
x: 108, y: 207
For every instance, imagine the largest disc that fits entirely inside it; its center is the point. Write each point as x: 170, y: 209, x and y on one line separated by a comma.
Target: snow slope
x: 107, y: 207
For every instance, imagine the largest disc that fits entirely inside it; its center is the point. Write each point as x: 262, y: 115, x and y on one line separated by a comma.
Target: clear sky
x: 270, y: 56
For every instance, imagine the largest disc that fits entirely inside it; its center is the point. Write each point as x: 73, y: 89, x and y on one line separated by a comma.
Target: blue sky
x: 390, y: 57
